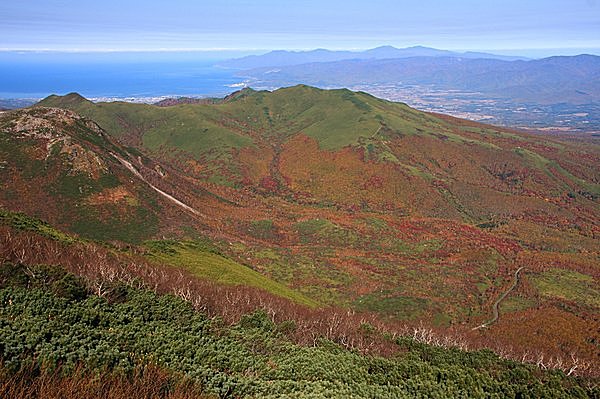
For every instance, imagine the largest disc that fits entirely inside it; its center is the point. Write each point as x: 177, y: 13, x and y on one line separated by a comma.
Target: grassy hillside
x: 335, y: 118
x: 203, y: 261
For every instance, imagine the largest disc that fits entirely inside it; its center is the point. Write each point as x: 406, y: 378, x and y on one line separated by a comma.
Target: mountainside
x: 65, y: 168
x: 55, y: 162
x: 286, y: 58
x: 351, y: 200
x: 554, y: 80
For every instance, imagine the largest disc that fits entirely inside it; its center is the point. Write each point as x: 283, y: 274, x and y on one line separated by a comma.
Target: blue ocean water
x: 36, y: 75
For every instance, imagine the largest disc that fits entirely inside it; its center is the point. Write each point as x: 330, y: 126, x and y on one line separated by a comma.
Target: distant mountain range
x: 287, y: 58
x: 553, y: 80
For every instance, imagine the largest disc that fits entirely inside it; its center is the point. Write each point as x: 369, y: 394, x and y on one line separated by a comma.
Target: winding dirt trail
x: 500, y: 299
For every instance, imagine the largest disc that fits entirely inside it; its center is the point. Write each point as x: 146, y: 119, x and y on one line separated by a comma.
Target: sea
x: 118, y: 75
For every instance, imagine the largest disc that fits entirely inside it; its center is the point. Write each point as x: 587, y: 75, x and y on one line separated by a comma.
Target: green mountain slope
x: 205, y: 263
x: 335, y: 118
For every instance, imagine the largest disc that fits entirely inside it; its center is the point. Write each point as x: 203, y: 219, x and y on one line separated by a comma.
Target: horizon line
x: 246, y: 49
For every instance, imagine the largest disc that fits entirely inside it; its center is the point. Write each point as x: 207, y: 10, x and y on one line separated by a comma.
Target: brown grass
x: 147, y: 382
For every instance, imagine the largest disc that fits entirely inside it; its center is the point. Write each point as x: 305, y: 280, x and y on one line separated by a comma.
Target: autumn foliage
x: 104, y: 269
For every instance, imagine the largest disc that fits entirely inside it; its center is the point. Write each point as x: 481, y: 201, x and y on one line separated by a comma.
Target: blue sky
x: 560, y: 26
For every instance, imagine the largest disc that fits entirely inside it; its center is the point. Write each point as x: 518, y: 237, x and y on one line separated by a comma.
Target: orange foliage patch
x: 550, y: 331
x: 110, y: 195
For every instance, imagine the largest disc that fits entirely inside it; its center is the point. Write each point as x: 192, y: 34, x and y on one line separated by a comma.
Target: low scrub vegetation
x: 53, y: 322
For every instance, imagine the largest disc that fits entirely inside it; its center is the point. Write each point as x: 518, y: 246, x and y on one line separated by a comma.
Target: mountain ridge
x: 278, y: 58
x: 348, y: 119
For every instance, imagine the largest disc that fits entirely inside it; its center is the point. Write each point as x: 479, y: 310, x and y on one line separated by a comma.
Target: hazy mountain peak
x: 386, y: 47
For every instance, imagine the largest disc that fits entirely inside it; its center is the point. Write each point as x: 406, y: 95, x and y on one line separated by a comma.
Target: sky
x: 533, y: 27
